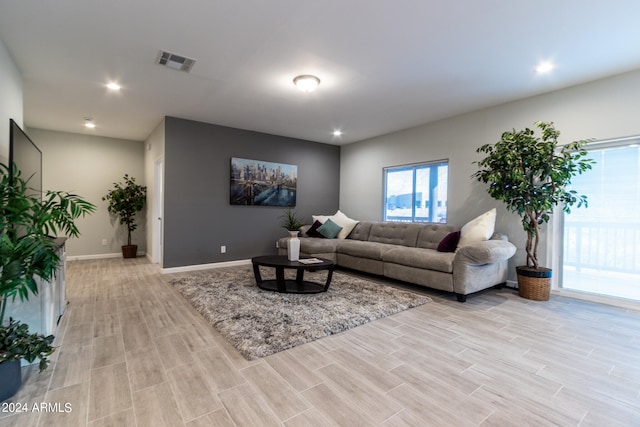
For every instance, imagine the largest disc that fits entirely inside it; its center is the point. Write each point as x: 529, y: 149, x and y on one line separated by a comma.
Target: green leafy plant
x: 125, y: 200
x: 27, y: 251
x: 290, y: 220
x: 17, y: 343
x: 532, y: 175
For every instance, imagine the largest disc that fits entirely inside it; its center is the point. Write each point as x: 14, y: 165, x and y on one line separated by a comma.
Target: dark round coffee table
x: 297, y: 286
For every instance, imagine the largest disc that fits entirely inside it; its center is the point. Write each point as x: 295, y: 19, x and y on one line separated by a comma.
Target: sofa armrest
x: 487, y: 252
x: 481, y: 265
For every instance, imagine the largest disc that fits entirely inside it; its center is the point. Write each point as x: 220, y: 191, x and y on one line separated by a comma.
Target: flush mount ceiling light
x: 306, y: 82
x: 113, y: 86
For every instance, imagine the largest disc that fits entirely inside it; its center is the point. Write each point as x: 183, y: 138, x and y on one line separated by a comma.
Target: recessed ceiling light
x: 306, y: 82
x: 544, y: 67
x: 337, y: 133
x: 113, y: 86
x: 88, y: 122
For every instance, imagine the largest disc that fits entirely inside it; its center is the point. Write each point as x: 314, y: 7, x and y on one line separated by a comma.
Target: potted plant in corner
x: 27, y: 252
x: 125, y: 200
x: 292, y: 224
x: 17, y: 343
x: 531, y: 175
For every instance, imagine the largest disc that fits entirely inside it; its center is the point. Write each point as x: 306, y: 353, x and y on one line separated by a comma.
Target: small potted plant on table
x: 531, y: 175
x: 292, y: 224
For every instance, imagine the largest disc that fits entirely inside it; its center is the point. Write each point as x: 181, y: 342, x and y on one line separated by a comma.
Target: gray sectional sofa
x: 408, y: 252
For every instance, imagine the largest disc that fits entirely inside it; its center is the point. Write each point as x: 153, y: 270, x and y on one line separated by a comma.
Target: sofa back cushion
x: 432, y: 234
x: 395, y: 233
x: 361, y: 231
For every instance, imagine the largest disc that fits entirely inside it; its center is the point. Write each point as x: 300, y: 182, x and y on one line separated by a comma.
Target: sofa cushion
x: 395, y: 233
x: 432, y: 234
x: 358, y: 248
x: 421, y: 258
x: 303, y: 230
x: 321, y: 218
x: 478, y: 229
x: 329, y: 229
x: 361, y: 231
x: 345, y: 222
x: 313, y: 230
x: 315, y: 245
x: 449, y: 243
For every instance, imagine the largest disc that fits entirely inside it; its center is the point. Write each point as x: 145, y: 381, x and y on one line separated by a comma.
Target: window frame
x: 433, y: 167
x: 557, y: 243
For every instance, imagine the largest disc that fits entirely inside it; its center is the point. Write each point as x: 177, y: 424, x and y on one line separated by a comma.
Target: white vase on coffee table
x: 293, y: 246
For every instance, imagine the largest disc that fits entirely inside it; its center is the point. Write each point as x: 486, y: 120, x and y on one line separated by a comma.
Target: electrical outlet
x: 104, y: 242
x: 223, y: 249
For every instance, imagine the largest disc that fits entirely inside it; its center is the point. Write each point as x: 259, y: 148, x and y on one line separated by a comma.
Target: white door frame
x: 158, y: 203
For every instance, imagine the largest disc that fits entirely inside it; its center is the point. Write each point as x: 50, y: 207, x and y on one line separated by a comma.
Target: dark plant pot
x: 129, y: 251
x: 534, y: 284
x: 11, y: 374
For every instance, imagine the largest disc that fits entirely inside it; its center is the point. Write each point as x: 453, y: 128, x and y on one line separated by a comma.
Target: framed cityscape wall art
x: 260, y: 183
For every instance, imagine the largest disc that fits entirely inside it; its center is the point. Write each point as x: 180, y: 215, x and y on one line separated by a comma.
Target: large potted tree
x: 125, y: 200
x: 27, y: 252
x: 531, y: 174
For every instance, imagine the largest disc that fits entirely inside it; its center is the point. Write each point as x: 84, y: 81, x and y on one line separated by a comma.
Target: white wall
x: 603, y: 109
x: 88, y: 166
x: 11, y: 104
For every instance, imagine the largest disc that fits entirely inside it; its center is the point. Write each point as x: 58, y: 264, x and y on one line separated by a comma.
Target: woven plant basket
x: 534, y: 284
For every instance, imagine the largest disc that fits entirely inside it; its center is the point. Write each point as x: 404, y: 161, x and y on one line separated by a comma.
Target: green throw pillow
x: 329, y: 229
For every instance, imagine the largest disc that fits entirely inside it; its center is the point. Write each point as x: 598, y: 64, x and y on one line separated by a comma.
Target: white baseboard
x: 512, y: 284
x: 206, y: 266
x: 98, y: 256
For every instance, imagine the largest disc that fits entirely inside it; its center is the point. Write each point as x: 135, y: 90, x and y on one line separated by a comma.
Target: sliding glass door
x: 602, y: 242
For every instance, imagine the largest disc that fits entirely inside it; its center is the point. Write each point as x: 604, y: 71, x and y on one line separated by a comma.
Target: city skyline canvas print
x: 261, y: 183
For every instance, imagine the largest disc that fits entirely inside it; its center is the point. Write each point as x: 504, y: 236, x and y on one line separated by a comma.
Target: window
x: 416, y: 193
x: 601, y: 253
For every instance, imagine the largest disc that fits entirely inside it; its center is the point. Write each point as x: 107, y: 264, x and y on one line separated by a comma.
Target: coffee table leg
x: 282, y: 286
x: 300, y: 275
x: 256, y: 274
x: 329, y: 275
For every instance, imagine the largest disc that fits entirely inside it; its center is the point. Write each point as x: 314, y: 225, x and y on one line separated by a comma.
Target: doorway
x: 601, y: 248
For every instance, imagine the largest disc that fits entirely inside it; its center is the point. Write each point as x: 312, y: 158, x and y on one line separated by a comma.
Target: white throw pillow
x: 478, y: 229
x: 321, y: 218
x: 345, y: 222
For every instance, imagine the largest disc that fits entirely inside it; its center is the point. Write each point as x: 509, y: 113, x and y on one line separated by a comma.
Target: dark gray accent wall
x: 198, y: 218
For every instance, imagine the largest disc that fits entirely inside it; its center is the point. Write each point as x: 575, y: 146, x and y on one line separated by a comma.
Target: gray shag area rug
x: 259, y: 323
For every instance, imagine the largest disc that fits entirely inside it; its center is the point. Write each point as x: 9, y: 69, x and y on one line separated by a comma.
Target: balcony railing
x: 604, y: 245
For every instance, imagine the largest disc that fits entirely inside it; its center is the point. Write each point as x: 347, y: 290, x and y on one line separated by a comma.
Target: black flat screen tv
x: 27, y: 157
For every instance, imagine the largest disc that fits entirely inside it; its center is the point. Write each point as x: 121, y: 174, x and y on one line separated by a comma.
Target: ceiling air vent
x: 176, y: 62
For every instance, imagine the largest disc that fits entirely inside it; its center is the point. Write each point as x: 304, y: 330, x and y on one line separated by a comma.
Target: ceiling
x: 383, y: 65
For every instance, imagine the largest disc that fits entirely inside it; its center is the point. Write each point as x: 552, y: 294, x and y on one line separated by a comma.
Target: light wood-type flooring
x: 133, y: 352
